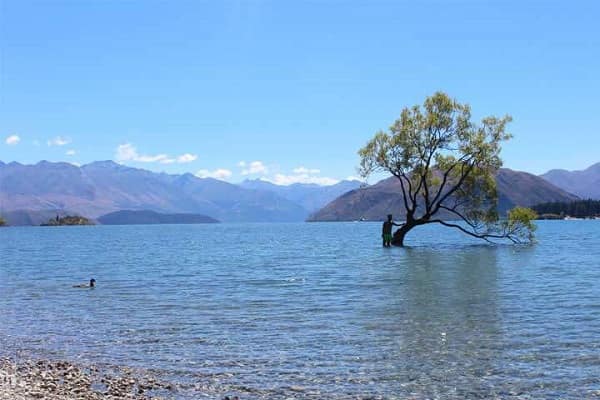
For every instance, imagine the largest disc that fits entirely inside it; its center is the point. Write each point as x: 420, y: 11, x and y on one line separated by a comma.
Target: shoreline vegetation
x: 580, y: 209
x: 69, y: 220
x: 562, y: 217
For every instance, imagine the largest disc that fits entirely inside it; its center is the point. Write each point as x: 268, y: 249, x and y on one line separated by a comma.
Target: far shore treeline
x: 579, y: 209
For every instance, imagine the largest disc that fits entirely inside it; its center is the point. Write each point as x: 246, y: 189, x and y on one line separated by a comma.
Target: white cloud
x: 221, y: 173
x: 13, y: 140
x: 303, y: 175
x: 282, y: 179
x: 306, y: 171
x: 128, y: 152
x: 300, y: 174
x: 71, y: 152
x: 186, y: 158
x: 355, y: 178
x: 59, y: 141
x: 253, y: 168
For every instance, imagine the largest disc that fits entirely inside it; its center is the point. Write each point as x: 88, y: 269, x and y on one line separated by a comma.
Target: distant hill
x: 517, y: 188
x: 145, y: 217
x: 374, y: 202
x: 585, y: 184
x: 104, y: 187
x: 311, y: 197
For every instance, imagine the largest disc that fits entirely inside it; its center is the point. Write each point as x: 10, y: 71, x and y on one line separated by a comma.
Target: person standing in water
x: 387, y: 231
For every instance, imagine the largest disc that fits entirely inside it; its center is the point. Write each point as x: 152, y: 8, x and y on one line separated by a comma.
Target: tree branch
x: 484, y: 236
x: 462, y: 217
x: 455, y: 188
x: 461, y: 162
x: 399, y: 176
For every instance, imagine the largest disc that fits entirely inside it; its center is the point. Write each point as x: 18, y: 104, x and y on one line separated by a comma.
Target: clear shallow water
x: 312, y: 310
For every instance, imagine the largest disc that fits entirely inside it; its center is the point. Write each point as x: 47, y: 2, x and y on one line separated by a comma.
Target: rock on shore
x: 56, y: 380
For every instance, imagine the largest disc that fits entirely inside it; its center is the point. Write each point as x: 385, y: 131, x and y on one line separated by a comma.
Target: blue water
x: 312, y: 310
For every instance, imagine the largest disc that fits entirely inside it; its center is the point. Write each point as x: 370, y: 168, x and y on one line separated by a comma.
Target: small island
x: 69, y: 220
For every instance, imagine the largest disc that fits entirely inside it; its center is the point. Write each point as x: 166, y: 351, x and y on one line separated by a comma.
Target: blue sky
x: 288, y: 90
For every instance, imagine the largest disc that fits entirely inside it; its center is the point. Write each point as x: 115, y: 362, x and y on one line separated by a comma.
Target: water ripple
x: 313, y: 310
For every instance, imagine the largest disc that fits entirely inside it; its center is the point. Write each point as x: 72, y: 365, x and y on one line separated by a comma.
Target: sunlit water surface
x: 312, y: 310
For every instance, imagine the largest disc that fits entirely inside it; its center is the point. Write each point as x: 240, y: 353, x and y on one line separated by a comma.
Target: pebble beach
x: 61, y: 380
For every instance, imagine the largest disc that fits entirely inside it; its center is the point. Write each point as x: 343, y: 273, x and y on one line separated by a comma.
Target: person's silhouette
x: 386, y: 234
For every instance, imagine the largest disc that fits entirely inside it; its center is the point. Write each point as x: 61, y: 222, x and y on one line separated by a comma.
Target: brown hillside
x: 515, y: 188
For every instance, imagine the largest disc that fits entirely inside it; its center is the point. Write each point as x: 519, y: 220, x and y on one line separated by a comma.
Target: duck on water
x: 92, y: 284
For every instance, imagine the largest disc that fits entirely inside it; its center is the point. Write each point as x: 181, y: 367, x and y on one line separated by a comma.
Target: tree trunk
x: 400, y: 234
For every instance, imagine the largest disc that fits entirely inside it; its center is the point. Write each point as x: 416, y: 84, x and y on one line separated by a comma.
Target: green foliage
x: 2, y: 221
x: 520, y: 225
x: 440, y: 131
x: 444, y: 162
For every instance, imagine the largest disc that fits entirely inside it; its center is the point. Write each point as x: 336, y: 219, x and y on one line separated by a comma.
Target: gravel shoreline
x: 62, y: 380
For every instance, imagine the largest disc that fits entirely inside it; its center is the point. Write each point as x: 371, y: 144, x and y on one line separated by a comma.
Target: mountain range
x: 30, y: 194
x: 311, y: 197
x: 515, y: 188
x: 585, y: 184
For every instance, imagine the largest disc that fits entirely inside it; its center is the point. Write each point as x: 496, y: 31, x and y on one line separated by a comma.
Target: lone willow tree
x: 446, y: 165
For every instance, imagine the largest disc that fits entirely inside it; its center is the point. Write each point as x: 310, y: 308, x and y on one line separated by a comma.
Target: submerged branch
x: 485, y: 236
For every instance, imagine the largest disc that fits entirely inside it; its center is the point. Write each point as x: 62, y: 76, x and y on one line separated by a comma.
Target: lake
x: 312, y: 310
